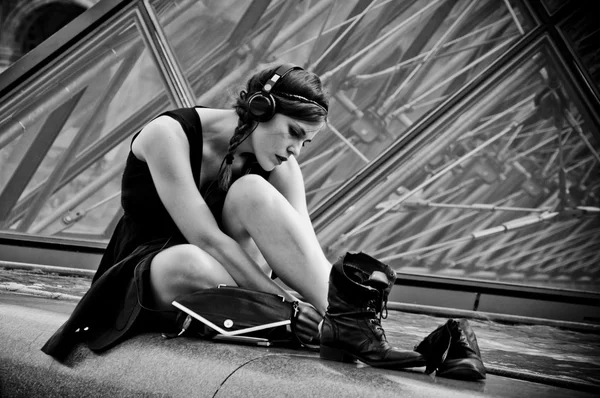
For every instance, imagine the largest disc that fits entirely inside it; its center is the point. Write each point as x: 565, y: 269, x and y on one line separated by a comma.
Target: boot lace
x: 372, y: 311
x: 378, y: 315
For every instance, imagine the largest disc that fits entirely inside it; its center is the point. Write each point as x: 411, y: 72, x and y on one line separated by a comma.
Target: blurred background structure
x: 462, y: 147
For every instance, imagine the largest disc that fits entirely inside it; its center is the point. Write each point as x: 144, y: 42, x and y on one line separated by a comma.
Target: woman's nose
x: 295, y: 150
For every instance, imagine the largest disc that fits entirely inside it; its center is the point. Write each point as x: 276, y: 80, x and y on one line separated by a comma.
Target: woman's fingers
x: 309, y: 314
x: 308, y: 322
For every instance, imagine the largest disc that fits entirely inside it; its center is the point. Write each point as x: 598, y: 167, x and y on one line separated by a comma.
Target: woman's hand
x: 307, y: 323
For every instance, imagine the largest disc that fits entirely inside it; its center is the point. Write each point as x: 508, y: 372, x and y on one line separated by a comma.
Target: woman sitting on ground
x: 211, y: 196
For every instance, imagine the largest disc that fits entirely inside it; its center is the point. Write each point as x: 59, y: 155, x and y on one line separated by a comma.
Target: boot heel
x: 335, y: 354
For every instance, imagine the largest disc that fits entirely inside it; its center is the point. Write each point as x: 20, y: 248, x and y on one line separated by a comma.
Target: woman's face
x: 274, y: 141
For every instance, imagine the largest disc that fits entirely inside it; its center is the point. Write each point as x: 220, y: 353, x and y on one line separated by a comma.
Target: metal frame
x: 163, y: 54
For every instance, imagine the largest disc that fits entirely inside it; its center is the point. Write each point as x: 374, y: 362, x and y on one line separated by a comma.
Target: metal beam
x: 341, y: 38
x: 156, y: 40
x: 410, y: 82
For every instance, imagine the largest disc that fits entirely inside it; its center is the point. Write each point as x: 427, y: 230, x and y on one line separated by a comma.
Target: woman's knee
x: 186, y: 268
x: 250, y: 192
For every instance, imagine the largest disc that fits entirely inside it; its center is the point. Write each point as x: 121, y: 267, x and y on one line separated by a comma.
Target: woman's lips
x: 281, y: 159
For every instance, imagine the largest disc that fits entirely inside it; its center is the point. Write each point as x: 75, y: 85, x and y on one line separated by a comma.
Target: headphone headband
x: 277, y: 76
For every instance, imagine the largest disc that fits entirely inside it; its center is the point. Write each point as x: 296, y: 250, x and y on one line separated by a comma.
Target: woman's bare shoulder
x: 217, y: 123
x: 160, y: 133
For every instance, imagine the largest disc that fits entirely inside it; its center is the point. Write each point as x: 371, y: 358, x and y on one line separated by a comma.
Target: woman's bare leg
x: 184, y: 269
x: 255, y: 211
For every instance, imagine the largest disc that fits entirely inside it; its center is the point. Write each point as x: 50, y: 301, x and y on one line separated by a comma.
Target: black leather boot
x: 435, y: 346
x: 359, y: 286
x: 453, y: 351
x: 464, y: 358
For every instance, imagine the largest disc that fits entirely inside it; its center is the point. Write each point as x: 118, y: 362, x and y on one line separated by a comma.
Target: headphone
x: 261, y: 104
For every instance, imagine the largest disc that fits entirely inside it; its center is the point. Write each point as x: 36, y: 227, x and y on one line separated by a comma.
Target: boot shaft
x: 359, y: 280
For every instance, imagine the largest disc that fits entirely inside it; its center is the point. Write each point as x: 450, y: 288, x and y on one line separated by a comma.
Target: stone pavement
x: 543, y: 354
x: 149, y: 366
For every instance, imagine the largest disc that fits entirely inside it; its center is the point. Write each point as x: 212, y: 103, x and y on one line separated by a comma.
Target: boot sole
x: 335, y: 354
x: 341, y: 355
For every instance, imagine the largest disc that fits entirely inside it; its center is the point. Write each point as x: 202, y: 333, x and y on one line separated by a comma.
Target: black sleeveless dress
x: 119, y: 302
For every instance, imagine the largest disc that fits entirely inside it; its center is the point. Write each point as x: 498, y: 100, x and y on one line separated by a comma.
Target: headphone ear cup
x: 261, y: 106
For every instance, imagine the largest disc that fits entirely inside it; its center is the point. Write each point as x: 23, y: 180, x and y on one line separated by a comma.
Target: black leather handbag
x: 236, y: 314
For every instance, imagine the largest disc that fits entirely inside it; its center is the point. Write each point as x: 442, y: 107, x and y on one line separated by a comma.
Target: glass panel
x: 64, y: 141
x: 198, y: 32
x: 504, y: 187
x: 386, y: 63
x: 582, y: 32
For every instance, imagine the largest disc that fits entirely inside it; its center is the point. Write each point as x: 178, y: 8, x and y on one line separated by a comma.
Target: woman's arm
x: 163, y: 145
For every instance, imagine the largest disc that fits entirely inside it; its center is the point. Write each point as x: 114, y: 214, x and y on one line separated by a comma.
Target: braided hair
x: 298, y: 95
x: 243, y: 130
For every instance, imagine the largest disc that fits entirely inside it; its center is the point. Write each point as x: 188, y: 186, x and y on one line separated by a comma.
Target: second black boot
x: 359, y: 286
x: 453, y: 352
x: 436, y: 345
x: 464, y: 358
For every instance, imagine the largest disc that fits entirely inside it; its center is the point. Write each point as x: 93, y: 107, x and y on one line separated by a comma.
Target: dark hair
x: 298, y: 95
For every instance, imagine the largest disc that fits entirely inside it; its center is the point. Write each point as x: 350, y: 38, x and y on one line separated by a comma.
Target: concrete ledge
x: 148, y: 365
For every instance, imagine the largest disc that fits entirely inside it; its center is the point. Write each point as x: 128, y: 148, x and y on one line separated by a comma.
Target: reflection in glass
x: 64, y: 141
x: 504, y: 187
